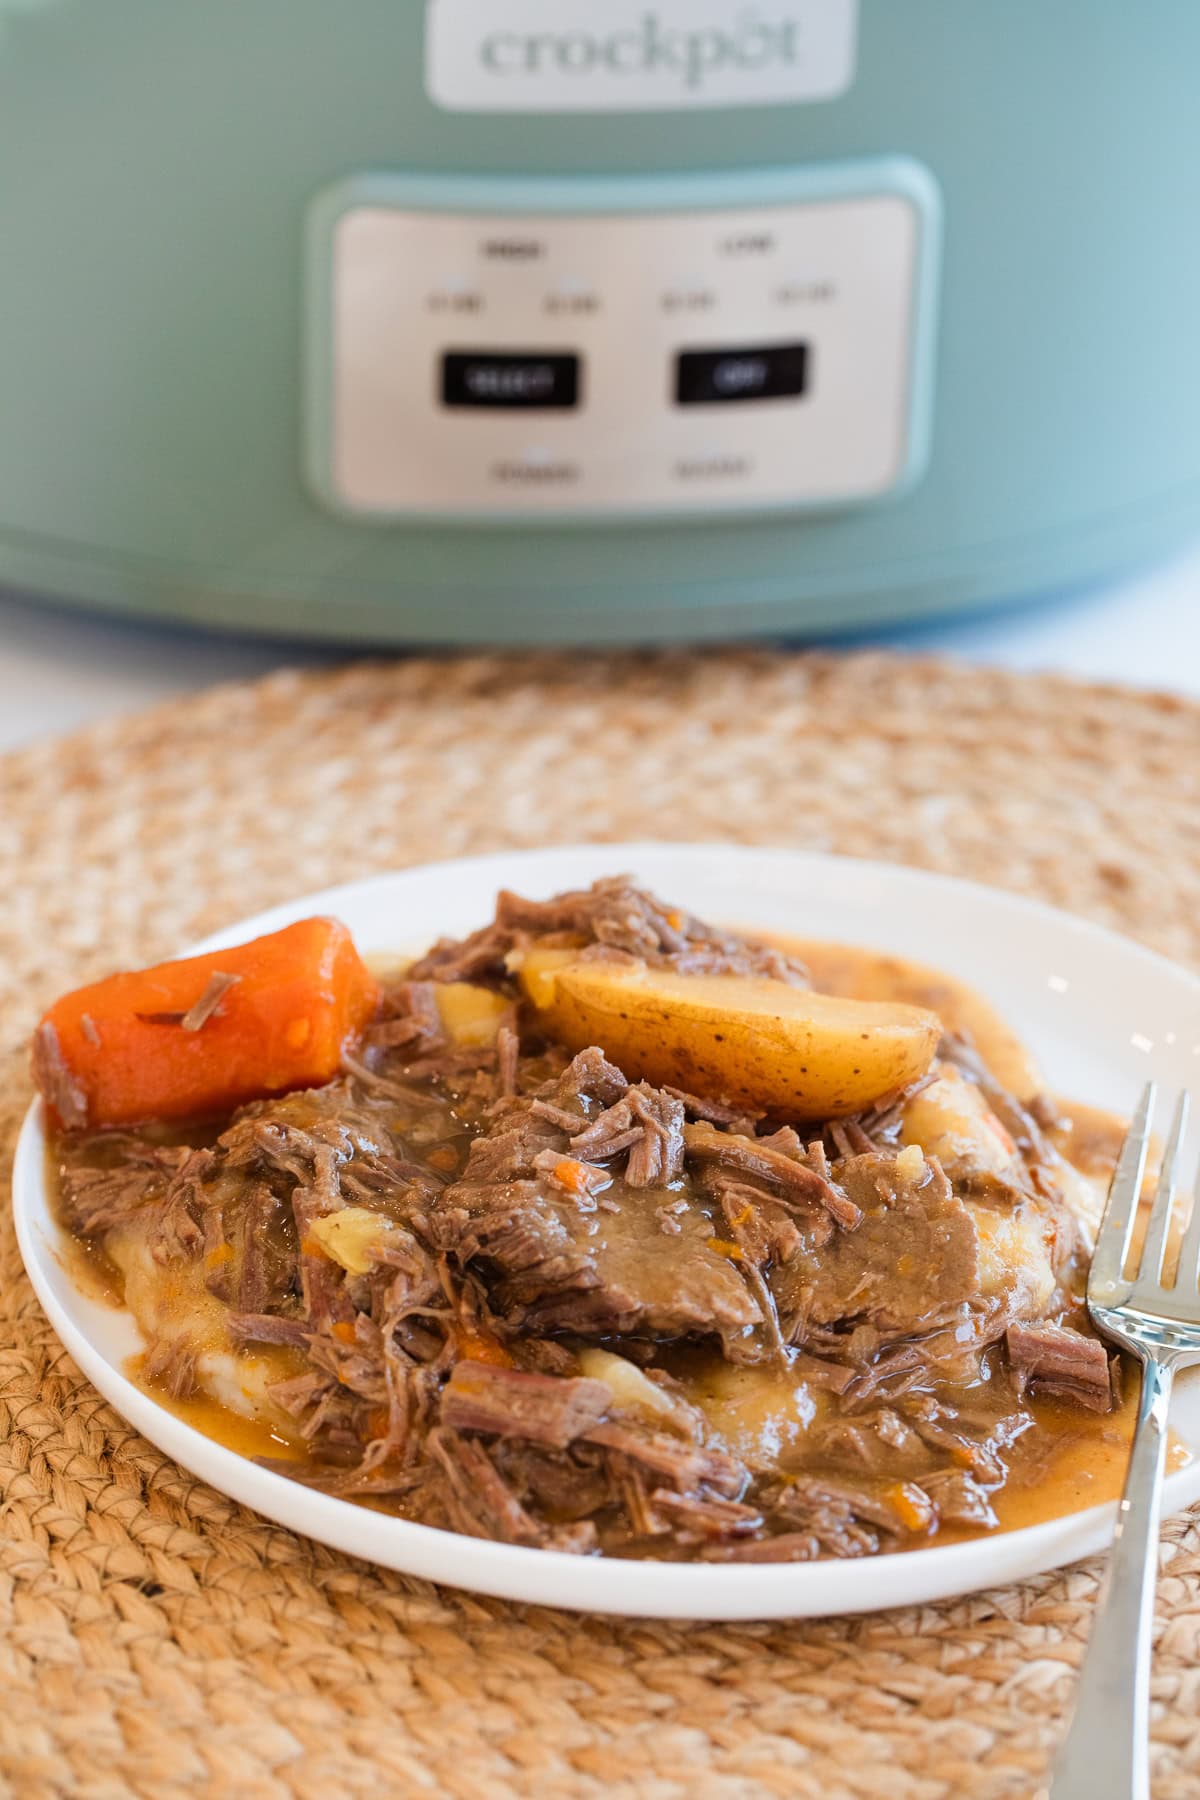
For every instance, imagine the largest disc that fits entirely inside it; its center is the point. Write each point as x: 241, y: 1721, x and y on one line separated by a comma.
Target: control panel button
x: 525, y: 379
x: 757, y: 372
x: 478, y: 352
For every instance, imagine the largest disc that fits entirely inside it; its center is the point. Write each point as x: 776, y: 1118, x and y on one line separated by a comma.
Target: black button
x: 525, y: 379
x: 757, y: 372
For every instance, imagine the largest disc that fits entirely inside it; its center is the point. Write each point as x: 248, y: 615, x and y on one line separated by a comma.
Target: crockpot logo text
x: 654, y: 47
x: 628, y: 55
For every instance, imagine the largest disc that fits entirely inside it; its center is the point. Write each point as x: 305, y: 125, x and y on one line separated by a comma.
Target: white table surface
x: 60, y: 669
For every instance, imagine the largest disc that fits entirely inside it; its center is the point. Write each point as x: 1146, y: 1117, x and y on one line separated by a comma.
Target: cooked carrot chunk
x: 477, y: 1346
x: 205, y: 1034
x: 913, y: 1506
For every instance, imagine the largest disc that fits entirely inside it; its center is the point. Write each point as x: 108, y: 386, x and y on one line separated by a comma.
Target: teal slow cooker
x: 495, y: 320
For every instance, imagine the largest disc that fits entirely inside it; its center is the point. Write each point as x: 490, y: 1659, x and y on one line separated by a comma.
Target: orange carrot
x: 205, y: 1034
x: 474, y: 1346
x: 576, y: 1177
x: 913, y: 1506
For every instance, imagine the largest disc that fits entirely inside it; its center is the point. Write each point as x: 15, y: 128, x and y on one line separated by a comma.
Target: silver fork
x: 1105, y: 1755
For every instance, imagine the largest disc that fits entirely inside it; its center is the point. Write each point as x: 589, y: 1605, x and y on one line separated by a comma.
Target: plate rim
x: 591, y: 1584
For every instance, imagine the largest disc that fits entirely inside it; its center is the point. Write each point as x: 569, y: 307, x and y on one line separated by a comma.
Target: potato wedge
x: 471, y: 1015
x: 759, y: 1043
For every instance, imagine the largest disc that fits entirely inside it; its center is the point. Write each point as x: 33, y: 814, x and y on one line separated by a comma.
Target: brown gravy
x: 249, y: 1437
x: 1075, y: 1459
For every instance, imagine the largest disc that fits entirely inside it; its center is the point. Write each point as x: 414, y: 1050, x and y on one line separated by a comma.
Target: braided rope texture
x: 158, y: 1640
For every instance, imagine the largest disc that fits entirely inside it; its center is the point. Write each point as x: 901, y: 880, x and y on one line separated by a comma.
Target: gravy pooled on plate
x: 602, y: 1230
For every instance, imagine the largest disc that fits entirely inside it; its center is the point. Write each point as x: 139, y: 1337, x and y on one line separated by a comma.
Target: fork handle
x: 1106, y: 1752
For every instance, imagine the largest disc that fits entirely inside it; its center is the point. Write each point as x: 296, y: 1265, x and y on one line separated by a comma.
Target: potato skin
x: 758, y: 1043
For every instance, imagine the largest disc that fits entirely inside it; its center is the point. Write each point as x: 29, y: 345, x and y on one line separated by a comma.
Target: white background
x: 60, y: 669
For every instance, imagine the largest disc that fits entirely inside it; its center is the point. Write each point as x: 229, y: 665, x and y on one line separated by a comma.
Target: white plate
x: 1101, y: 1014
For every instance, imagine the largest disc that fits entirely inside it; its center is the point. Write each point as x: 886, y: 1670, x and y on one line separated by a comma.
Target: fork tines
x: 1116, y: 1281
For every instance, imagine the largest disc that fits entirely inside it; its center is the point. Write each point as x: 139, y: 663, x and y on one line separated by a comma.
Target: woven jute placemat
x: 156, y: 1639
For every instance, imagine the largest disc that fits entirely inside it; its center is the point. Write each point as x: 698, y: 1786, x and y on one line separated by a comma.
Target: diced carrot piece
x: 472, y: 1346
x: 576, y: 1177
x: 206, y: 1034
x: 913, y: 1506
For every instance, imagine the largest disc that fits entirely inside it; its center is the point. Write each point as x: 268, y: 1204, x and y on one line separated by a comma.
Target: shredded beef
x: 610, y: 1133
x: 202, y: 1010
x: 715, y: 1111
x: 656, y: 1159
x: 93, y: 1199
x: 551, y: 1257
x: 508, y: 1046
x: 781, y: 1547
x: 975, y: 1442
x: 477, y: 1498
x: 561, y: 1116
x: 834, y: 1376
x: 61, y: 1088
x: 698, y: 1521
x: 268, y: 1328
x: 878, y: 1127
x: 1054, y: 1359
x: 171, y: 1364
x: 961, y: 1499
x: 565, y: 1485
x: 645, y: 1125
x: 549, y: 1264
x: 688, y: 1467
x: 534, y: 1210
x: 782, y: 1170
x: 911, y: 1263
x: 611, y: 916
x: 543, y: 1409
x: 809, y: 1506
x: 760, y: 1225
x: 410, y: 1019
x: 258, y: 1230
x: 898, y: 1507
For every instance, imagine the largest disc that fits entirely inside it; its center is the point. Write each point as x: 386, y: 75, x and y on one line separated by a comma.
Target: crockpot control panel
x: 580, y: 358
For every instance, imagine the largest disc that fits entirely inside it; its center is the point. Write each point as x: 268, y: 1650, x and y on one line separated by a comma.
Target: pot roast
x: 508, y: 1287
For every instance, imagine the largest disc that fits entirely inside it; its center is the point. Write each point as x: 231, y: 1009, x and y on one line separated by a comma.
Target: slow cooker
x: 507, y: 320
